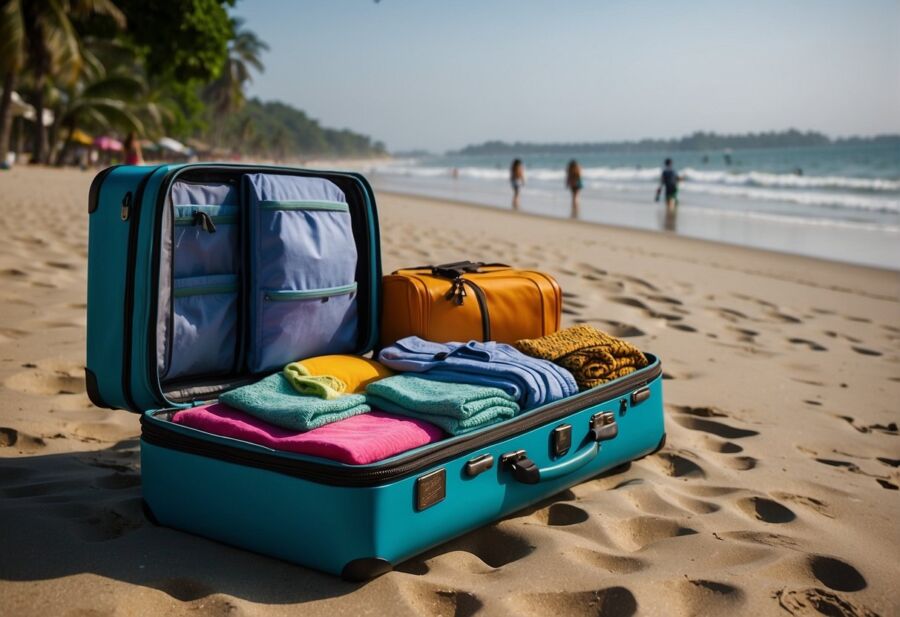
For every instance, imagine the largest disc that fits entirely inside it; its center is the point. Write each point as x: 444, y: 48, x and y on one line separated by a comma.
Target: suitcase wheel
x: 367, y: 568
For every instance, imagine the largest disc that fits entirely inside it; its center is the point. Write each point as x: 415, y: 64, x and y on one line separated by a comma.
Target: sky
x: 439, y: 75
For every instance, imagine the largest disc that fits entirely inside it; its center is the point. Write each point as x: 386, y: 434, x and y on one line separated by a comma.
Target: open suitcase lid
x: 149, y: 209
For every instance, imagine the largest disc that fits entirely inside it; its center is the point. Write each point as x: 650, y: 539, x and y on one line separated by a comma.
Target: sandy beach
x: 777, y: 493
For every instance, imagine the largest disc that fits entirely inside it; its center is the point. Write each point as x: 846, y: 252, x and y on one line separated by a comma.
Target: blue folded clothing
x: 275, y: 401
x: 530, y: 381
x: 456, y: 408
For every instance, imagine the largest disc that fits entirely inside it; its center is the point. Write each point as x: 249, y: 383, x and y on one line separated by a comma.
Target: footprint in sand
x: 48, y: 378
x: 615, y: 328
x: 815, y: 601
x: 744, y: 335
x: 766, y: 510
x: 560, y: 515
x: 678, y: 466
x: 718, y: 429
x: 865, y: 351
x: 635, y: 533
x: 632, y: 302
x: 728, y: 314
x: 835, y: 573
x: 618, y: 601
x: 888, y: 429
x: 23, y: 442
x: 664, y: 299
x: 785, y: 318
x: 683, y: 327
x: 613, y: 564
x: 705, y: 597
x: 814, y: 346
x: 433, y: 600
x: 817, y: 505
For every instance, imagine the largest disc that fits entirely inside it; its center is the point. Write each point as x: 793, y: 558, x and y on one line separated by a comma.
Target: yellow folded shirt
x: 355, y: 372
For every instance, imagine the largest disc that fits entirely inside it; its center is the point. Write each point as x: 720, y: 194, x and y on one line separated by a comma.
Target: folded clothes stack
x: 275, y: 401
x: 457, y: 408
x: 593, y: 356
x: 530, y: 381
x: 358, y: 440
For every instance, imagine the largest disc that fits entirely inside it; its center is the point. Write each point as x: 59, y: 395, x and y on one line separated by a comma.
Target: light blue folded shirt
x: 531, y: 381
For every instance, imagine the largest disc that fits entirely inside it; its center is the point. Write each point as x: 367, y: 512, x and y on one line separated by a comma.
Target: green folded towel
x: 323, y: 386
x: 456, y: 408
x: 274, y: 400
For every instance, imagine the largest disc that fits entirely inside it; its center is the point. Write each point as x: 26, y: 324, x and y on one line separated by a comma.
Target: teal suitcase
x: 147, y: 309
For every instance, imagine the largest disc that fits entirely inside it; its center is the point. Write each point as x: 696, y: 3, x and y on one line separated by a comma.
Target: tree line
x: 177, y: 68
x: 700, y: 140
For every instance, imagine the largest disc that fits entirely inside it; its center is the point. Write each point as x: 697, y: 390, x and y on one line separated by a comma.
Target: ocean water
x: 835, y: 202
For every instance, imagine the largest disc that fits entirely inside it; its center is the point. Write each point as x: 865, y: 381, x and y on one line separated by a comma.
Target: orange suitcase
x: 466, y: 301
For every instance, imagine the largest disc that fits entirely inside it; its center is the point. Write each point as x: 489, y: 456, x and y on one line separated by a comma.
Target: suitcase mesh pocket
x: 300, y: 324
x: 204, y: 326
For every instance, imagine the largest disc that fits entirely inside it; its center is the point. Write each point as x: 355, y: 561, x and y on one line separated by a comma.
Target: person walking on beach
x: 669, y: 181
x: 517, y: 179
x: 133, y: 154
x: 574, y: 184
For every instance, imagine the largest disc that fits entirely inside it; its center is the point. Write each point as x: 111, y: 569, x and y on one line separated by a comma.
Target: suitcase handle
x: 526, y: 471
x: 602, y: 427
x: 457, y: 268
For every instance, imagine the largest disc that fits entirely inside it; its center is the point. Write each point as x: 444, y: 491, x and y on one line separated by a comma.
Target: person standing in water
x: 669, y: 181
x: 517, y: 180
x: 574, y: 184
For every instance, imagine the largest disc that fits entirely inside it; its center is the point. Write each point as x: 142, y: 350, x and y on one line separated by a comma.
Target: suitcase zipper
x: 133, y: 218
x: 483, y: 307
x: 153, y: 432
x: 457, y: 294
x: 286, y: 295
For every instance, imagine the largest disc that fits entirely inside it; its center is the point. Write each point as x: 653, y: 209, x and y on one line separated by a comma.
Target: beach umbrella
x: 108, y: 143
x: 167, y: 143
x: 198, y: 145
x: 80, y: 137
x: 21, y: 108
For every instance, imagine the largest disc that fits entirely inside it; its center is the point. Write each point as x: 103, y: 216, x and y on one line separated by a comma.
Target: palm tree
x: 12, y: 58
x: 41, y: 38
x: 108, y: 98
x: 226, y: 93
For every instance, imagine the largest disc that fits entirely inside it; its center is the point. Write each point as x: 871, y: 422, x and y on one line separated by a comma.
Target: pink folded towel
x: 357, y: 440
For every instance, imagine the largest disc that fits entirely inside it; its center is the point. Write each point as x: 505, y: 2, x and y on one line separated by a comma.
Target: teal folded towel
x: 456, y: 408
x: 275, y: 400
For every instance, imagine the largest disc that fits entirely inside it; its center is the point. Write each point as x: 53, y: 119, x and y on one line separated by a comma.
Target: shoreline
x: 726, y: 220
x: 649, y: 232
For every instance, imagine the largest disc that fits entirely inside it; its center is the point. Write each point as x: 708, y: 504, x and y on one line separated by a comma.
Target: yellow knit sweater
x: 591, y: 355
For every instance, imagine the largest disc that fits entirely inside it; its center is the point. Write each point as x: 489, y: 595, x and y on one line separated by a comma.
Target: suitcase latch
x: 561, y: 440
x: 603, y: 426
x: 639, y: 396
x: 126, y: 206
x: 523, y: 468
x: 479, y: 465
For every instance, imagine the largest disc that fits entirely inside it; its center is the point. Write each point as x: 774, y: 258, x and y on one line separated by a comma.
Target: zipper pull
x: 205, y: 221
